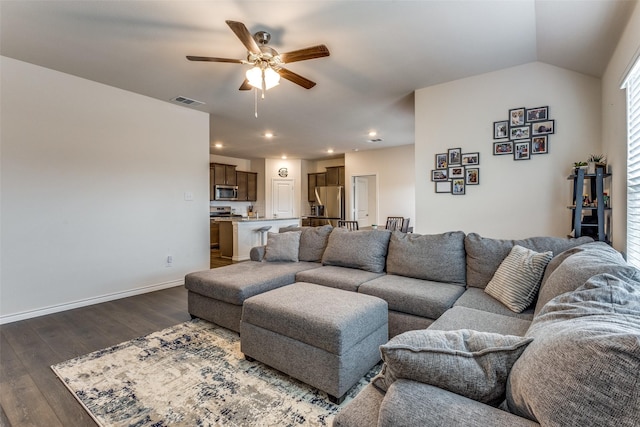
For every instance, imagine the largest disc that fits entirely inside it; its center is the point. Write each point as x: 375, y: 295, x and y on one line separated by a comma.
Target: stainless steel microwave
x: 226, y: 192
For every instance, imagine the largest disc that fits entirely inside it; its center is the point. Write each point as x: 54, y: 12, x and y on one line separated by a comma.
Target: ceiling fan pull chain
x: 255, y: 100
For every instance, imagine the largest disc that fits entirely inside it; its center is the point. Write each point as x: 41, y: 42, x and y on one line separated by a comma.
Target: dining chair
x: 349, y: 225
x: 394, y: 223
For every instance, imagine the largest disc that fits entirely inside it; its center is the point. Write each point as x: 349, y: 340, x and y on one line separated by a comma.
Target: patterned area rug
x: 192, y: 374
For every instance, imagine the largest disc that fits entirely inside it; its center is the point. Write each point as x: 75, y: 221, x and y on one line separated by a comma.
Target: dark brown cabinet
x: 335, y: 175
x: 214, y: 234
x: 224, y: 174
x: 247, y: 186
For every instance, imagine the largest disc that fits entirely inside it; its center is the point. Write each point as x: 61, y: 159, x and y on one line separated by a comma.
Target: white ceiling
x: 381, y: 51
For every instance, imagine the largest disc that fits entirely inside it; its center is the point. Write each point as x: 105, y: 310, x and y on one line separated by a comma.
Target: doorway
x: 282, y: 192
x: 365, y: 199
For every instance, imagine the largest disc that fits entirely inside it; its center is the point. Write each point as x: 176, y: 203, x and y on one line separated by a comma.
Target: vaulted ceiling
x: 381, y: 52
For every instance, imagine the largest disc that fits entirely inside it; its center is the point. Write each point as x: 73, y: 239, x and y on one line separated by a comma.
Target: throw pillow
x: 363, y: 249
x: 517, y: 279
x: 282, y: 246
x: 582, y: 367
x: 313, y: 241
x: 470, y: 363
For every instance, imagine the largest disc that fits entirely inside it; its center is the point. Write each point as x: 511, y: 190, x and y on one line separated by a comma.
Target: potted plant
x: 579, y: 165
x: 595, y: 160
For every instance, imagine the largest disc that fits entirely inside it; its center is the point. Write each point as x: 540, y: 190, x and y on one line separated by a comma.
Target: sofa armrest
x: 410, y: 403
x: 257, y: 253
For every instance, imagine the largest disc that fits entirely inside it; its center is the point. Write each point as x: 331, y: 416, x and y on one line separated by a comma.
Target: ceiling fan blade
x: 211, y: 59
x: 304, y: 54
x: 296, y: 78
x: 244, y: 35
x: 245, y: 85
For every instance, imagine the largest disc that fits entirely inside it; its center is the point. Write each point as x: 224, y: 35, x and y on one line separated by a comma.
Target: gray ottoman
x: 325, y: 337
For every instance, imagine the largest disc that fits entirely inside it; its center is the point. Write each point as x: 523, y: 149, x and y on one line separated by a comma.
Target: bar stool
x: 263, y: 232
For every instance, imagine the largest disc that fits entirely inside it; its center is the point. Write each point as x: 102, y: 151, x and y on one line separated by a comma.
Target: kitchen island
x: 239, y: 235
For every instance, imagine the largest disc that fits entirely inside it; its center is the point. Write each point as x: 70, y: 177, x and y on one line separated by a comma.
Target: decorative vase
x: 591, y: 167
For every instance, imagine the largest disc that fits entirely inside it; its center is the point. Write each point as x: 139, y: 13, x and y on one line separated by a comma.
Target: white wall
x: 614, y: 133
x: 394, y: 168
x: 93, y: 183
x: 515, y: 199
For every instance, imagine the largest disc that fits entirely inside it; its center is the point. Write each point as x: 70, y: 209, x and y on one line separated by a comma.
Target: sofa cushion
x: 363, y: 249
x: 478, y: 299
x: 483, y: 321
x: 470, y: 363
x: 313, y: 241
x: 348, y: 279
x: 582, y: 367
x: 517, y: 279
x: 438, y: 257
x: 236, y: 282
x: 571, y: 269
x: 282, y: 246
x: 484, y: 255
x: 413, y: 296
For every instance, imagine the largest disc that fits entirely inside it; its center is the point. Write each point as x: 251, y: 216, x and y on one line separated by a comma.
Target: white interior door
x: 282, y: 191
x: 361, y: 203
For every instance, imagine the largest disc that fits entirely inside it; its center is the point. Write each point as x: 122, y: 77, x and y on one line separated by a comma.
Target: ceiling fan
x: 267, y: 62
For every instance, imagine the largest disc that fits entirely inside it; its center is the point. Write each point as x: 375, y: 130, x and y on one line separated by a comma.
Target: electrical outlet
x: 169, y: 261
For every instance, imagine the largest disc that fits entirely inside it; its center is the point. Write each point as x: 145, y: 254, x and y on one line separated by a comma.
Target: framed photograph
x: 519, y: 132
x: 455, y: 156
x: 543, y: 128
x: 501, y: 129
x: 537, y: 114
x: 470, y: 159
x: 500, y: 148
x: 457, y: 186
x: 516, y: 117
x: 539, y: 145
x: 472, y: 176
x: 443, y: 187
x: 442, y: 161
x: 456, y: 172
x: 521, y: 150
x: 439, y: 175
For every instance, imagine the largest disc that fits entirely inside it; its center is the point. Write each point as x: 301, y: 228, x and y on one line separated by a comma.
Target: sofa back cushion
x: 581, y: 368
x: 437, y: 257
x: 313, y: 241
x: 363, y: 249
x: 484, y: 255
x: 571, y: 269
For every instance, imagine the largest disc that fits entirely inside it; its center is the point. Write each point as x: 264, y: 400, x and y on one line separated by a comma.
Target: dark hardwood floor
x: 30, y: 393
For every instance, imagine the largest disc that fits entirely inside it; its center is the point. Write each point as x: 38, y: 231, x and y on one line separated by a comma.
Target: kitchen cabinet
x: 591, y: 208
x: 247, y: 186
x: 212, y: 185
x: 224, y: 174
x: 214, y: 234
x: 315, y: 180
x: 335, y: 175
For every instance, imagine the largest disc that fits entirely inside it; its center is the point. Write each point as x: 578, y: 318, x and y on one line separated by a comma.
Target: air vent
x: 187, y: 101
x: 375, y: 140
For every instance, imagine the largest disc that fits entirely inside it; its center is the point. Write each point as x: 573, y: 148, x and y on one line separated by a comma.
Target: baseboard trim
x: 88, y: 301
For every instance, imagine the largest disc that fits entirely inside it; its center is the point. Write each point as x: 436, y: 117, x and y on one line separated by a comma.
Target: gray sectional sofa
x: 458, y: 354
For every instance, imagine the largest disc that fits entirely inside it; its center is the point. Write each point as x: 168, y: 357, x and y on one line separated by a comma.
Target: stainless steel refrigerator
x: 330, y: 203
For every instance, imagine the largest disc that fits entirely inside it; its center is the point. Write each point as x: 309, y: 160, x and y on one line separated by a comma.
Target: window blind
x: 632, y: 84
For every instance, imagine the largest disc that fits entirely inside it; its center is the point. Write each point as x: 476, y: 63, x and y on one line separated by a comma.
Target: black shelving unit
x: 594, y: 219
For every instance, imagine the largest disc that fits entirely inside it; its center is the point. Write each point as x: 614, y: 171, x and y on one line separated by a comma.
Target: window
x: 632, y: 85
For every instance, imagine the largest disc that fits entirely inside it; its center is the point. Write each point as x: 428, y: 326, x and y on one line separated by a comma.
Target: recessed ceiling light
x: 373, y: 133
x: 218, y: 145
x: 330, y: 151
x: 268, y: 134
x: 284, y: 157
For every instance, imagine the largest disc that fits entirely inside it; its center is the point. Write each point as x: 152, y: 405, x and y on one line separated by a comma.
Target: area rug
x: 192, y: 374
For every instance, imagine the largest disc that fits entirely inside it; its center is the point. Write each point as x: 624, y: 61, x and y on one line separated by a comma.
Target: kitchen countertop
x: 243, y: 219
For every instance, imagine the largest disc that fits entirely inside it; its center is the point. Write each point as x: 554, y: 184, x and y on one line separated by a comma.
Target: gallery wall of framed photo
x: 455, y: 170
x: 525, y: 133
